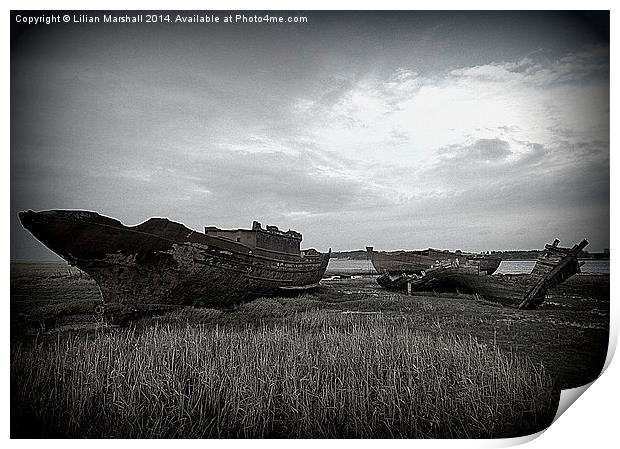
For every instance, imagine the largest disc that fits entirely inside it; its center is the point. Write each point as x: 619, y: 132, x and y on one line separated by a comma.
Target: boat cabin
x: 271, y: 240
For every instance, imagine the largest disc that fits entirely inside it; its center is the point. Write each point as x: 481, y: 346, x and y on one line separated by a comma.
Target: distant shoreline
x: 335, y: 256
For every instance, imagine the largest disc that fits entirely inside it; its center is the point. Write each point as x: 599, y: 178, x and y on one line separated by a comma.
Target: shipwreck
x: 414, y: 262
x: 525, y: 291
x: 161, y: 262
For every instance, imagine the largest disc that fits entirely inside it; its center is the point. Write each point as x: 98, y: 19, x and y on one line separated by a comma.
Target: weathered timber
x: 165, y: 263
x: 525, y: 291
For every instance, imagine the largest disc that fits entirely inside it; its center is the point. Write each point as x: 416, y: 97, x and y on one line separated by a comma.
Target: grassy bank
x: 314, y: 374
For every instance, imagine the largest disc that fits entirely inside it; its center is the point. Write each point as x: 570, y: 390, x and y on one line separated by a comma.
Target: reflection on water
x: 351, y: 266
x: 506, y: 267
x: 515, y: 267
x: 595, y: 267
x: 526, y: 266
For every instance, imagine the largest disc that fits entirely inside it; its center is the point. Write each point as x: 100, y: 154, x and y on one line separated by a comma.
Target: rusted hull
x: 525, y: 291
x: 163, y: 262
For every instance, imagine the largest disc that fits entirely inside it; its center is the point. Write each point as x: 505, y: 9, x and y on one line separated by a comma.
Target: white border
x: 592, y: 422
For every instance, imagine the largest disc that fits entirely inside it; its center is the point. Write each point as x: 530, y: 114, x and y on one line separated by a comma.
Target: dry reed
x: 313, y: 374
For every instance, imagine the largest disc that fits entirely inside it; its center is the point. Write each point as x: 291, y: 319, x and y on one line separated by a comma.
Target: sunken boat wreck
x: 414, y: 262
x: 525, y: 291
x: 161, y: 262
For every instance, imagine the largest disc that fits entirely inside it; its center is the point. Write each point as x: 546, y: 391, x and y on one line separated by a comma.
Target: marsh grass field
x: 351, y: 360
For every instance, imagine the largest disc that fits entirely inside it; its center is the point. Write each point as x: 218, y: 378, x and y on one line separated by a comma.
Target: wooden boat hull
x: 163, y: 262
x: 408, y: 262
x: 505, y: 289
x: 525, y: 291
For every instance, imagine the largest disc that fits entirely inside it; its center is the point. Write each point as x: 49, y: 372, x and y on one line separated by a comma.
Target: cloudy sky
x: 397, y: 129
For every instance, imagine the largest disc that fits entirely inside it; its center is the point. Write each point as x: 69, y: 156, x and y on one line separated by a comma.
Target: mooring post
x: 409, y: 288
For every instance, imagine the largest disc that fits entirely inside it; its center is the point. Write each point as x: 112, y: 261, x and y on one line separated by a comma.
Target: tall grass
x: 315, y: 374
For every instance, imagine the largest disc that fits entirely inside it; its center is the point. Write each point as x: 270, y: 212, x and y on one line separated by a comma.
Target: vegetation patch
x: 316, y: 375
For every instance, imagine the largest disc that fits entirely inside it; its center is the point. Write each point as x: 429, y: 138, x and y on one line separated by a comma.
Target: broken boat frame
x: 525, y: 291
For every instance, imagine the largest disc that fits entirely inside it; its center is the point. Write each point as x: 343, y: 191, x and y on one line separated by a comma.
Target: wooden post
x: 409, y: 288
